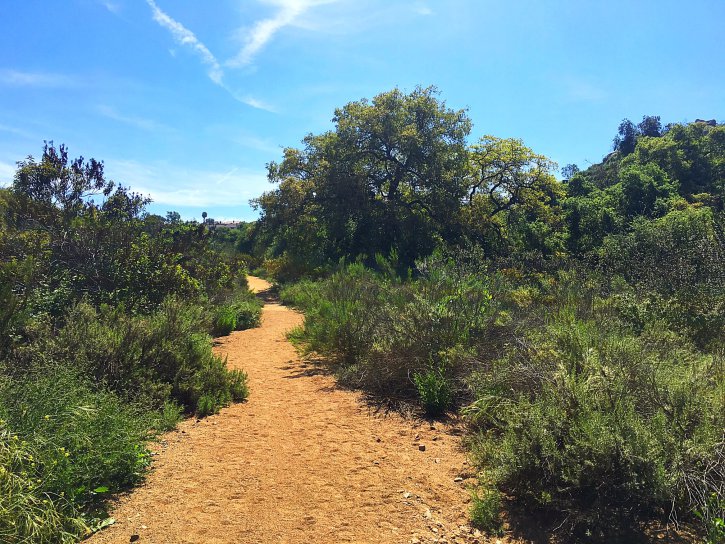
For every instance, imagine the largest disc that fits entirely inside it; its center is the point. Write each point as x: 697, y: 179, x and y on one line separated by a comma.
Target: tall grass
x: 79, y: 404
x: 164, y: 357
x: 27, y: 512
x: 64, y: 444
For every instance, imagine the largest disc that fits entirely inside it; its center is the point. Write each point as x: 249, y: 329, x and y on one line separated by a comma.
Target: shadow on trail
x: 403, y: 405
x: 269, y: 296
x: 307, y: 371
x: 547, y: 527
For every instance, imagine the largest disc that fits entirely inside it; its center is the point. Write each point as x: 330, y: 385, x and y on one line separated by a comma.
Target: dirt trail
x: 301, y: 462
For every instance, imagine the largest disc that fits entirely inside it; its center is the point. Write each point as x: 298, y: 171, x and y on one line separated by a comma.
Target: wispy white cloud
x: 132, y: 120
x: 422, y: 9
x: 186, y: 37
x: 174, y: 186
x: 113, y: 7
x: 18, y: 78
x: 7, y: 173
x: 288, y: 12
x: 251, y: 101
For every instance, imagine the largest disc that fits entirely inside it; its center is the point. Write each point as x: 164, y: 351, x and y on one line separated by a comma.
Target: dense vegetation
x: 105, y: 316
x: 579, y: 325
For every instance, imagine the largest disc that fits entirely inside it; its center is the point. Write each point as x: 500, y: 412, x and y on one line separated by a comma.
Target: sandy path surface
x: 301, y: 462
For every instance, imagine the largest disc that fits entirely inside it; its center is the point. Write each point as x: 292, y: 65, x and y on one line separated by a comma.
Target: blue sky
x: 187, y: 100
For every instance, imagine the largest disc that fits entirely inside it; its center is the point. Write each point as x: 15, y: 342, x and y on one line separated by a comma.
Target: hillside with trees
x: 578, y: 325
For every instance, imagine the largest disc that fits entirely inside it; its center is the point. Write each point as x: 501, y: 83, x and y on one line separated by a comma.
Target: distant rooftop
x: 223, y: 224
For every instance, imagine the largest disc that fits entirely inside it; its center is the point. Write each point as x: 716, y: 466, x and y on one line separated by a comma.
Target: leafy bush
x: 304, y: 294
x: 224, y: 321
x: 206, y: 406
x: 587, y: 418
x: 382, y: 331
x: 673, y: 270
x: 434, y: 390
x: 486, y: 509
x: 712, y: 514
x: 239, y: 312
x: 238, y: 388
x: 156, y: 359
x: 248, y: 314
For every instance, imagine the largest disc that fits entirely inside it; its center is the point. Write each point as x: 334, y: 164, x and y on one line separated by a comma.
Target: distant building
x: 212, y: 224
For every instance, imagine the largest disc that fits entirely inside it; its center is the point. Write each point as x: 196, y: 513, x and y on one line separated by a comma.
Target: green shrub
x: 238, y: 387
x: 587, y: 418
x: 103, y: 340
x: 247, y: 314
x: 597, y: 411
x: 211, y: 382
x: 579, y: 411
x: 486, y: 509
x: 224, y: 321
x: 153, y: 360
x: 206, y: 406
x: 343, y: 314
x: 239, y: 312
x: 169, y: 416
x: 85, y: 438
x: 304, y: 295
x: 672, y: 269
x: 64, y: 444
x: 434, y: 390
x: 383, y: 331
x: 712, y: 515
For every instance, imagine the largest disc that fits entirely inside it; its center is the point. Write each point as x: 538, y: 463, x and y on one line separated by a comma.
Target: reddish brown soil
x: 301, y: 462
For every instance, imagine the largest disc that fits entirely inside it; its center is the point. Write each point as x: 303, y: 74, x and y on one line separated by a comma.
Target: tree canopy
x: 398, y: 175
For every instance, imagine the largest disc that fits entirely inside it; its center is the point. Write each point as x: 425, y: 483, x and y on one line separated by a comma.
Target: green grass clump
x: 214, y: 386
x: 84, y: 438
x: 238, y: 387
x: 486, y: 510
x: 435, y: 391
x: 248, y: 314
x: 243, y: 311
x: 302, y: 295
x: 64, y: 444
x: 27, y: 512
x: 224, y: 321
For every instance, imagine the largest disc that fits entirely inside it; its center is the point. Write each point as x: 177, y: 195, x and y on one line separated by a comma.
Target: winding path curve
x: 301, y: 462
